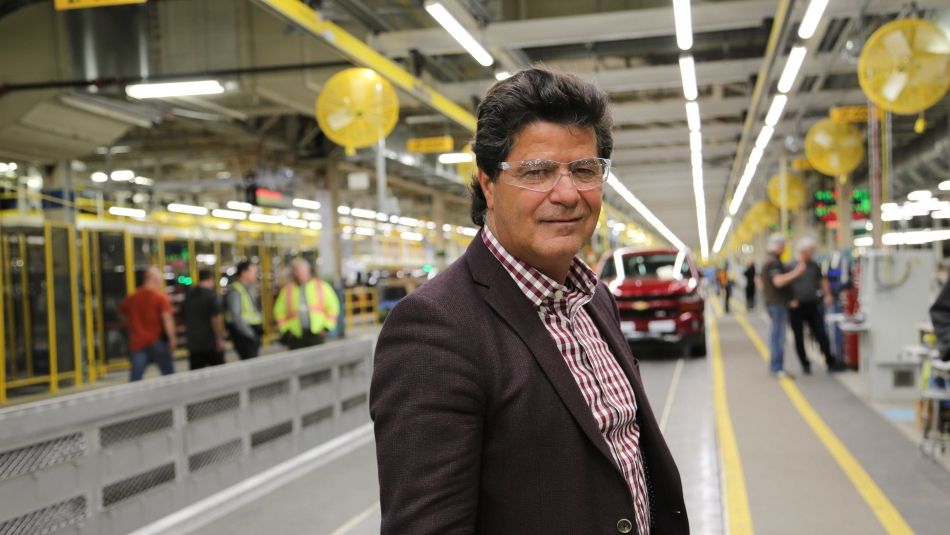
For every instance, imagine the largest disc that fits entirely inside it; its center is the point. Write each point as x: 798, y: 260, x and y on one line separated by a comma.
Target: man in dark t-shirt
x: 809, y: 290
x: 205, y: 330
x: 777, y: 292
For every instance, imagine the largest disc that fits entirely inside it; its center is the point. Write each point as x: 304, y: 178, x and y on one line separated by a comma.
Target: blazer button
x: 624, y: 525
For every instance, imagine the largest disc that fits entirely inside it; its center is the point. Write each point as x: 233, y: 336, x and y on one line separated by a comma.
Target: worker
x: 810, y: 290
x: 306, y: 308
x: 777, y: 292
x: 749, y: 283
x: 504, y: 395
x: 148, y: 314
x: 203, y: 325
x: 725, y: 282
x: 242, y: 315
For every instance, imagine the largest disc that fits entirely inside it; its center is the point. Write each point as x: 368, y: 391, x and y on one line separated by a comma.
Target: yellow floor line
x: 880, y: 505
x: 738, y: 516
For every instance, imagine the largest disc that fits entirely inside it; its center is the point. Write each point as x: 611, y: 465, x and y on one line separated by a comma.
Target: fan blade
x: 894, y: 86
x: 823, y: 139
x: 834, y: 161
x: 340, y: 119
x: 932, y: 42
x: 931, y: 69
x: 896, y: 43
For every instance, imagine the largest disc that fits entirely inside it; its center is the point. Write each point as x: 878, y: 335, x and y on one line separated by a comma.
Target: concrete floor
x: 794, y: 483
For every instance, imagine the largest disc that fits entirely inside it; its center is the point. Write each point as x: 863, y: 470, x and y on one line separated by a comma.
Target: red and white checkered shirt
x: 596, y: 371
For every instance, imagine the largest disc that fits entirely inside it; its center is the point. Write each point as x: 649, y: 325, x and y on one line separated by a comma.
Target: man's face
x: 301, y: 272
x: 808, y: 253
x: 545, y: 230
x: 249, y: 275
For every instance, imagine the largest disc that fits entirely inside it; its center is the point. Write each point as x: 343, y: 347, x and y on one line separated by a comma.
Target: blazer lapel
x: 606, y: 326
x: 506, y: 299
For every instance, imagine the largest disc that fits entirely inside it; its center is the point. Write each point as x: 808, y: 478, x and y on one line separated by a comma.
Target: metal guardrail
x: 112, y: 460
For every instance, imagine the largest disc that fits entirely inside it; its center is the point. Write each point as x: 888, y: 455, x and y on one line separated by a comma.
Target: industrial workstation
x: 411, y: 267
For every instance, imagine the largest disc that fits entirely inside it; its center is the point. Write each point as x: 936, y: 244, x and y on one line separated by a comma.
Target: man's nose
x: 564, y: 190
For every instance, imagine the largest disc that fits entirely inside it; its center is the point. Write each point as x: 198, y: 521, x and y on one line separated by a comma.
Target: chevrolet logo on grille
x: 640, y: 305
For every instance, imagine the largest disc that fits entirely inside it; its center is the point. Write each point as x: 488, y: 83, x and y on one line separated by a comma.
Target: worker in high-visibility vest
x: 306, y: 309
x: 241, y: 313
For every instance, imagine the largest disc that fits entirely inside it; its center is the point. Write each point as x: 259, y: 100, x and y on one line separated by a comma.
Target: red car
x: 659, y: 296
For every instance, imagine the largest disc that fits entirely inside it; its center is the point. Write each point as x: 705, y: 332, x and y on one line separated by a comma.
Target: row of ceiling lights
x: 684, y: 39
x: 796, y: 57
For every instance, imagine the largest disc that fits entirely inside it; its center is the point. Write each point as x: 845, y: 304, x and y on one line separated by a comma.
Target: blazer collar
x: 506, y: 299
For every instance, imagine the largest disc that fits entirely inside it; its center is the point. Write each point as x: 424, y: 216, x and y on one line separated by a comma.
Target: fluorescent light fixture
x: 864, y: 241
x: 411, y: 236
x: 364, y: 231
x: 229, y: 214
x: 455, y: 157
x: 296, y: 223
x: 343, y: 210
x: 889, y: 206
x: 143, y: 181
x: 765, y: 135
x: 99, y: 176
x: 127, y: 212
x: 721, y: 235
x: 699, y: 193
x: 695, y: 142
x: 468, y: 231
x: 238, y: 205
x: 381, y: 217
x: 692, y: 116
x: 744, y: 182
x: 311, y: 216
x: 363, y: 214
x: 11, y: 166
x: 174, y: 89
x: 409, y: 221
x: 637, y: 205
x: 456, y: 30
x: 919, y: 195
x: 502, y: 75
x: 122, y: 175
x: 684, y: 24
x: 696, y: 159
x: 306, y: 203
x: 812, y: 16
x: 941, y: 214
x: 265, y: 218
x: 755, y: 156
x: 315, y: 225
x: 187, y: 209
x: 688, y: 74
x: 775, y: 110
x: 792, y: 65
x: 944, y: 186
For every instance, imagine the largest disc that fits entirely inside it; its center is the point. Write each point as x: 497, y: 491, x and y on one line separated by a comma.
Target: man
x: 244, y: 319
x: 148, y: 314
x: 808, y: 290
x: 203, y: 323
x: 725, y: 282
x: 504, y: 395
x: 777, y: 292
x: 306, y: 309
x: 749, y: 284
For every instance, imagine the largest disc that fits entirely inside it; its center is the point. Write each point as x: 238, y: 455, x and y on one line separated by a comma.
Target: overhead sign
x: 431, y: 144
x: 62, y: 5
x: 851, y: 114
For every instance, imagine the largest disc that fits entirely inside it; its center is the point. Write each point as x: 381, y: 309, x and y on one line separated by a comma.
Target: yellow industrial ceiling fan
x: 833, y: 147
x: 905, y: 66
x: 356, y: 108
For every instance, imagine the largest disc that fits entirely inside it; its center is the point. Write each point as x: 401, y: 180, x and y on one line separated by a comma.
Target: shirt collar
x: 538, y: 287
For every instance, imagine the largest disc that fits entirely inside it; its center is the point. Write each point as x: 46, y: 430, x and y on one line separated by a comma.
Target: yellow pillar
x: 74, y: 305
x: 51, y: 309
x: 3, y: 340
x: 129, y: 262
x: 87, y: 306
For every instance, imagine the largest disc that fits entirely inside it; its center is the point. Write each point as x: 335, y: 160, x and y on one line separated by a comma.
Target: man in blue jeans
x: 777, y: 292
x: 148, y: 315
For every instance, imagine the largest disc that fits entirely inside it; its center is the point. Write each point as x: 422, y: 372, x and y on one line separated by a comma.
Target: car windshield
x: 662, y: 266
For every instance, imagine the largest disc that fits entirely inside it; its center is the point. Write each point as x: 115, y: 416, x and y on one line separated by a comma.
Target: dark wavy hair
x: 529, y: 96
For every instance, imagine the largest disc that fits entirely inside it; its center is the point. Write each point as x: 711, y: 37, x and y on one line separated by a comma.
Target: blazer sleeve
x: 428, y: 412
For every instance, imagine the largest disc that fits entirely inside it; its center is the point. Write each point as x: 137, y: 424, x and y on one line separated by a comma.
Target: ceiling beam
x: 611, y: 26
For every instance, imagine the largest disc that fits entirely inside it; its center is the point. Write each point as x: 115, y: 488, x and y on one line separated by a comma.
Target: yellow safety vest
x: 322, y: 302
x: 249, y: 312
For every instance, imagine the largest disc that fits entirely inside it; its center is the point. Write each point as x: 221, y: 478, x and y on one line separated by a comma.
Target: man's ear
x: 488, y: 188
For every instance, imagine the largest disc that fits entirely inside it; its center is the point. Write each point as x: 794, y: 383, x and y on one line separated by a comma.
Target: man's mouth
x: 562, y: 220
